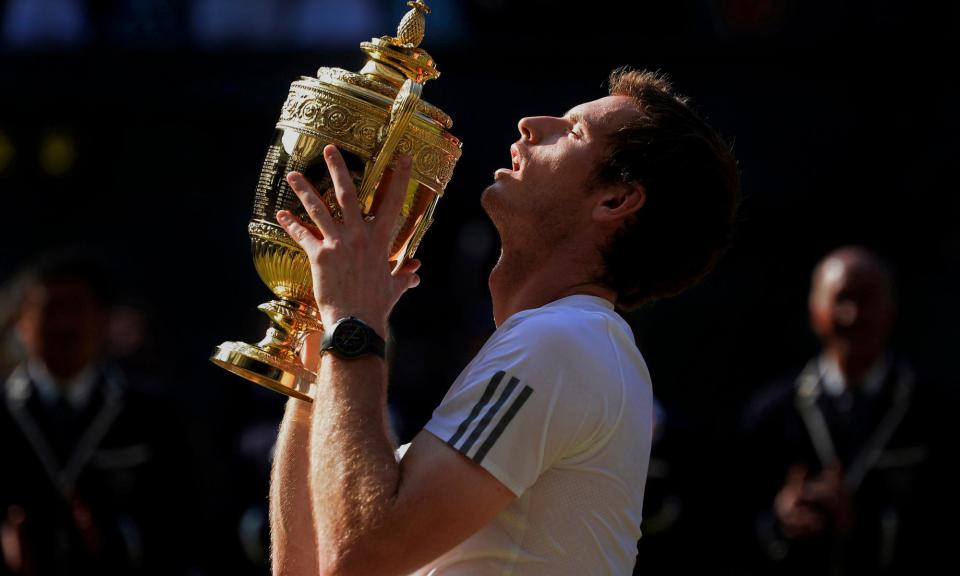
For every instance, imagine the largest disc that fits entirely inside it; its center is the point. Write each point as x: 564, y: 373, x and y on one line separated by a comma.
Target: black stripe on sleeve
x: 488, y: 416
x: 502, y: 424
x: 487, y: 395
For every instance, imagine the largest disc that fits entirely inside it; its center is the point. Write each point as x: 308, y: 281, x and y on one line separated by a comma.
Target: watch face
x: 350, y: 338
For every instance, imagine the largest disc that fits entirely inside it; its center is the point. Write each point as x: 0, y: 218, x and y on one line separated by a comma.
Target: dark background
x: 138, y: 128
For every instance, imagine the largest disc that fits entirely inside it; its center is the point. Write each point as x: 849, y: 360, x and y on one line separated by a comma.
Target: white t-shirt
x: 558, y: 407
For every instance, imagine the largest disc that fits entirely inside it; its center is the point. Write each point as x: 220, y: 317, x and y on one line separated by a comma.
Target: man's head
x: 852, y: 307
x: 640, y: 170
x: 61, y: 309
x: 691, y: 182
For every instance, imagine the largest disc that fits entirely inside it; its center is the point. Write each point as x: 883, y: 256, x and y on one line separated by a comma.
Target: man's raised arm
x: 372, y: 514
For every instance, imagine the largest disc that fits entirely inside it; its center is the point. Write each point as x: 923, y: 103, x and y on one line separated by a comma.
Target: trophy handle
x: 400, y: 115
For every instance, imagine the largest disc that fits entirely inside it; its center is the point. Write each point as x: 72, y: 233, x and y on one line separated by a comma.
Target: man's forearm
x: 354, y: 473
x: 354, y: 477
x: 292, y: 534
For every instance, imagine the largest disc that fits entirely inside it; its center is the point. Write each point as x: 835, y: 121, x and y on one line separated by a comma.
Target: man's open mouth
x: 516, y: 158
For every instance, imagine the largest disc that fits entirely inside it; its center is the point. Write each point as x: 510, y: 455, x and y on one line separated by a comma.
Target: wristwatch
x: 351, y: 338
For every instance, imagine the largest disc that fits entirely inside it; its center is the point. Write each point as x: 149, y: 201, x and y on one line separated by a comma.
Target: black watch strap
x: 351, y: 338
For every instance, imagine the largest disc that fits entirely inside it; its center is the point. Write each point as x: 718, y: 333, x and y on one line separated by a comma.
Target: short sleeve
x: 521, y: 405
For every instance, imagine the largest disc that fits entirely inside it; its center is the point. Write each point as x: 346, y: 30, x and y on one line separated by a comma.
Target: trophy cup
x: 369, y: 116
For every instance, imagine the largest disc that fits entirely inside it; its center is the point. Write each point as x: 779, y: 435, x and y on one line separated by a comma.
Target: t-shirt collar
x: 581, y: 301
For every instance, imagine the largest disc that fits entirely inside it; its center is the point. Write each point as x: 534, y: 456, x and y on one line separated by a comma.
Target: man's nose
x: 534, y: 129
x: 847, y: 313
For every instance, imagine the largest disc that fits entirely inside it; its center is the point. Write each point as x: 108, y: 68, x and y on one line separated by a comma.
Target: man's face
x: 545, y: 192
x: 62, y: 324
x: 851, y: 307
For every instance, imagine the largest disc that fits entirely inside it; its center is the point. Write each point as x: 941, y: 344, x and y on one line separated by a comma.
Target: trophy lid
x: 394, y: 59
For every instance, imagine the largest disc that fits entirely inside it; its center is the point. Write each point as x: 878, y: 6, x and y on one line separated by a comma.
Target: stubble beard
x: 493, y: 208
x: 527, y: 225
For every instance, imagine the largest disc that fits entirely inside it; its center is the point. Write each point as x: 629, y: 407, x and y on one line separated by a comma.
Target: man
x: 535, y: 461
x: 89, y: 466
x: 843, y: 449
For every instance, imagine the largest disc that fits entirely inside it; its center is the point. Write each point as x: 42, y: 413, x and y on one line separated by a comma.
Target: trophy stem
x: 274, y: 362
x: 290, y: 322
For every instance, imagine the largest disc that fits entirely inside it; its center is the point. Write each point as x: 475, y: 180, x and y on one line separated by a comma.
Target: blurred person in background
x: 92, y: 465
x: 840, y: 456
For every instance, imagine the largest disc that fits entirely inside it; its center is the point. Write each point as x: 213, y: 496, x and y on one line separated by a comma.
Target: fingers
x: 409, y: 267
x: 310, y: 351
x: 406, y: 277
x: 823, y: 492
x: 394, y: 187
x: 299, y: 231
x: 796, y: 475
x: 803, y: 523
x: 833, y: 471
x: 343, y: 185
x: 406, y: 282
x: 312, y: 203
x: 402, y: 283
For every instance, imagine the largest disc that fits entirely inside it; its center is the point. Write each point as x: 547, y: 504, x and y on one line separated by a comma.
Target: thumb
x: 403, y: 282
x: 406, y: 277
x: 408, y: 267
x: 797, y: 474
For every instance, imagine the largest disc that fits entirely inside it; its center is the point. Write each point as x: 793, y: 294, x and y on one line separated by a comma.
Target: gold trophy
x: 369, y: 116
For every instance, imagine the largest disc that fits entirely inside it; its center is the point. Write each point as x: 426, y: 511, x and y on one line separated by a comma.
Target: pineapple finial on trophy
x: 412, y: 26
x: 394, y: 59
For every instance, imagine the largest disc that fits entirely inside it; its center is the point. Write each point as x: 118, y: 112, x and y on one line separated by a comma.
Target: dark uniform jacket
x: 89, y: 491
x: 888, y: 445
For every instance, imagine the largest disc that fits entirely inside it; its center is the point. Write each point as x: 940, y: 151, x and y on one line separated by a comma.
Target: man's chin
x: 488, y: 196
x: 491, y: 200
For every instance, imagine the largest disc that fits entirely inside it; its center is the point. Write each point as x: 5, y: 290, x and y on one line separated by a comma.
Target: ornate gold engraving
x: 314, y: 109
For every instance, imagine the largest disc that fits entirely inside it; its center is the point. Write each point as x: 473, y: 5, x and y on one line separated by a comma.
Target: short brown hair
x: 691, y: 182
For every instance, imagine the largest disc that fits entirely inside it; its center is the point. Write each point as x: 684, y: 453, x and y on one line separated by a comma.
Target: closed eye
x: 576, y: 124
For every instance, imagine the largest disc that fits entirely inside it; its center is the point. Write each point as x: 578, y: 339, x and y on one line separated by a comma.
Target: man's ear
x: 617, y: 203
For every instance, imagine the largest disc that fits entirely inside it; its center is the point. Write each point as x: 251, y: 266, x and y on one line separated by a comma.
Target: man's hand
x: 348, y: 260
x: 796, y: 519
x: 13, y: 541
x: 807, y: 507
x: 828, y: 492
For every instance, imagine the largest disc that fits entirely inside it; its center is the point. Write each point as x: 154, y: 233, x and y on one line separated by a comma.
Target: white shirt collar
x: 78, y: 389
x: 835, y: 383
x: 581, y: 300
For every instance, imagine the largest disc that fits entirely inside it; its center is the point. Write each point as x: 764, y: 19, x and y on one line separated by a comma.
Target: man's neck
x: 853, y: 367
x: 520, y: 283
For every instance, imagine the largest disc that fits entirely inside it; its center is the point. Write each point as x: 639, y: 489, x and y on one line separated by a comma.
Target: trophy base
x: 260, y: 367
